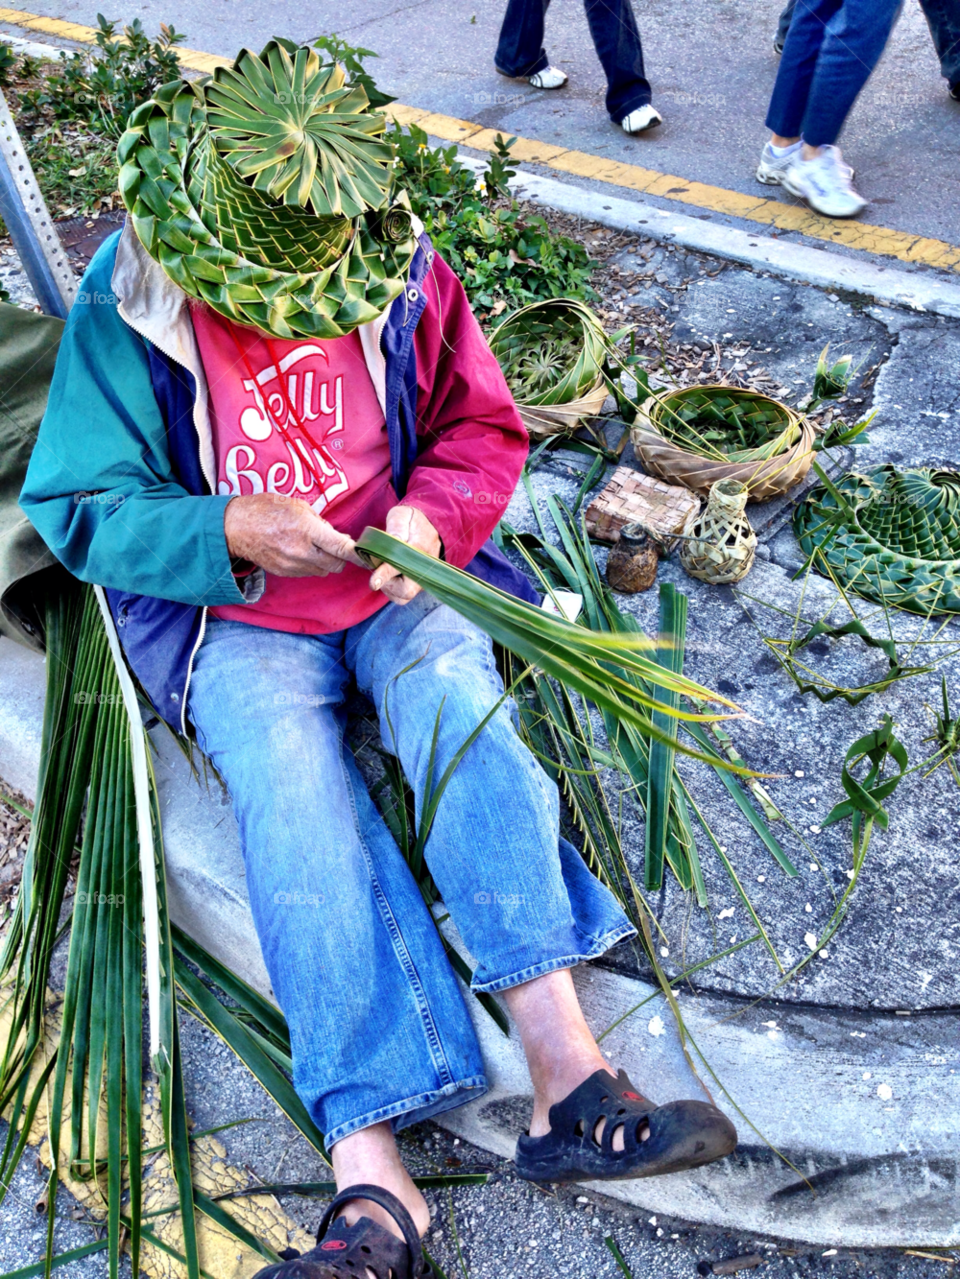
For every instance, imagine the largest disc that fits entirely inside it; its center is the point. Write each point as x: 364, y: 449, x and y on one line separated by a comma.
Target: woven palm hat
x: 267, y: 192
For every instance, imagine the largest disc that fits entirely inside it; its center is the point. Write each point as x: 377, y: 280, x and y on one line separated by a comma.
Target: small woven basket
x: 545, y: 420
x: 721, y: 545
x: 766, y: 471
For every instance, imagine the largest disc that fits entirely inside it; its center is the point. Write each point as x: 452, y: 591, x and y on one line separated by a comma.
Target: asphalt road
x: 711, y: 64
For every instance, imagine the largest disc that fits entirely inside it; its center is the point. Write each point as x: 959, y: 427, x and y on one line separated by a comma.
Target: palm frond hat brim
x: 267, y: 191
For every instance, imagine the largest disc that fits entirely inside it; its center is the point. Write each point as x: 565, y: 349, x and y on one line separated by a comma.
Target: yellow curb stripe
x: 878, y: 240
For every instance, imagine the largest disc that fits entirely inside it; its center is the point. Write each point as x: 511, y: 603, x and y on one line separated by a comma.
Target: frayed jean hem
x: 596, y: 949
x: 413, y: 1109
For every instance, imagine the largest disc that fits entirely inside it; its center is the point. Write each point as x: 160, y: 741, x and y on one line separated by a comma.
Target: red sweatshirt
x: 302, y: 418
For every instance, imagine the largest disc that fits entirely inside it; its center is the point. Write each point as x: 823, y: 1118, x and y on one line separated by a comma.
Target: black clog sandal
x: 681, y: 1135
x: 353, y: 1252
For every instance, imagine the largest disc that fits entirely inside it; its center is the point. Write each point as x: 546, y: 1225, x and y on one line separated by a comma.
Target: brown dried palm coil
x: 721, y: 545
x: 765, y: 478
x: 544, y: 420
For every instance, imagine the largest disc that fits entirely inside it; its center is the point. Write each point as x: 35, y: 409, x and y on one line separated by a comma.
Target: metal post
x: 31, y: 228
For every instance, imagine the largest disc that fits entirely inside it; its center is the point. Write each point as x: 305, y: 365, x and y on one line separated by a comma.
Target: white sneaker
x: 548, y: 78
x: 824, y: 183
x: 772, y: 167
x: 645, y: 117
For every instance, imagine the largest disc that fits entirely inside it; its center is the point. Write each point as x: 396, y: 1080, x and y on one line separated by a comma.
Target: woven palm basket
x: 720, y: 546
x: 895, y: 540
x: 553, y: 354
x: 542, y: 421
x: 667, y: 440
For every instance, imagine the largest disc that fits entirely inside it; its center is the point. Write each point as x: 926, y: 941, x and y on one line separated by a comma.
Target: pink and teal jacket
x: 120, y: 482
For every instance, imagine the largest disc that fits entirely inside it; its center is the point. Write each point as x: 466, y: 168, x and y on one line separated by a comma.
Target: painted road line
x: 77, y: 32
x: 865, y: 237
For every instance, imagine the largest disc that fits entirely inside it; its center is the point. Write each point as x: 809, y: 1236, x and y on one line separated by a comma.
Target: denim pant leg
x: 523, y: 900
x: 377, y: 1022
x: 943, y: 18
x: 616, y: 39
x: 520, y: 49
x: 783, y: 26
x: 831, y: 49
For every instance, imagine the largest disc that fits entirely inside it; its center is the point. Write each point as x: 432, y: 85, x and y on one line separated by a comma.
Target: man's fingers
x: 385, y: 573
x: 401, y: 590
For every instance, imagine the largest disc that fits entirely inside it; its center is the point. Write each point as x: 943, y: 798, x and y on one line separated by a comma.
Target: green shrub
x: 505, y: 258
x: 103, y: 87
x: 8, y: 60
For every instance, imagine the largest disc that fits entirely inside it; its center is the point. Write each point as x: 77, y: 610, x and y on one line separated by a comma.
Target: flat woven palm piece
x: 552, y: 354
x: 634, y: 498
x: 702, y: 434
x: 267, y: 193
x: 895, y: 540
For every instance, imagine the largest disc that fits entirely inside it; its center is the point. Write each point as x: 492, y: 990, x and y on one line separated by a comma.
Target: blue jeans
x: 615, y: 38
x: 943, y: 19
x: 377, y: 1020
x: 832, y: 47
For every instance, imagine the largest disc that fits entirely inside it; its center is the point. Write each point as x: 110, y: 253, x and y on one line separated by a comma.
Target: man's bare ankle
x: 370, y: 1157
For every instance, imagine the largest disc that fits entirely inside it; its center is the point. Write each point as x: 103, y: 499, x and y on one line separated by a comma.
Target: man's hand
x: 284, y: 536
x: 407, y: 524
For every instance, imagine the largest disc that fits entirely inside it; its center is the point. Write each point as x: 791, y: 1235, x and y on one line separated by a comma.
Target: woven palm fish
x: 895, y: 540
x: 267, y: 192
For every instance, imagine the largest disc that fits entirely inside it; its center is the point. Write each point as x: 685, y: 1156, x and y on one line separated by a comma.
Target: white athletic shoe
x: 772, y: 167
x: 548, y: 78
x: 824, y: 183
x: 645, y: 117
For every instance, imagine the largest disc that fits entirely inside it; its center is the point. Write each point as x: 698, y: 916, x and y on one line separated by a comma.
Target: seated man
x: 269, y: 358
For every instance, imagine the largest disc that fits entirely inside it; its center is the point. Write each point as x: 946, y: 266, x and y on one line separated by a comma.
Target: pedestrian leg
x: 520, y: 49
x: 943, y: 18
x: 616, y: 39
